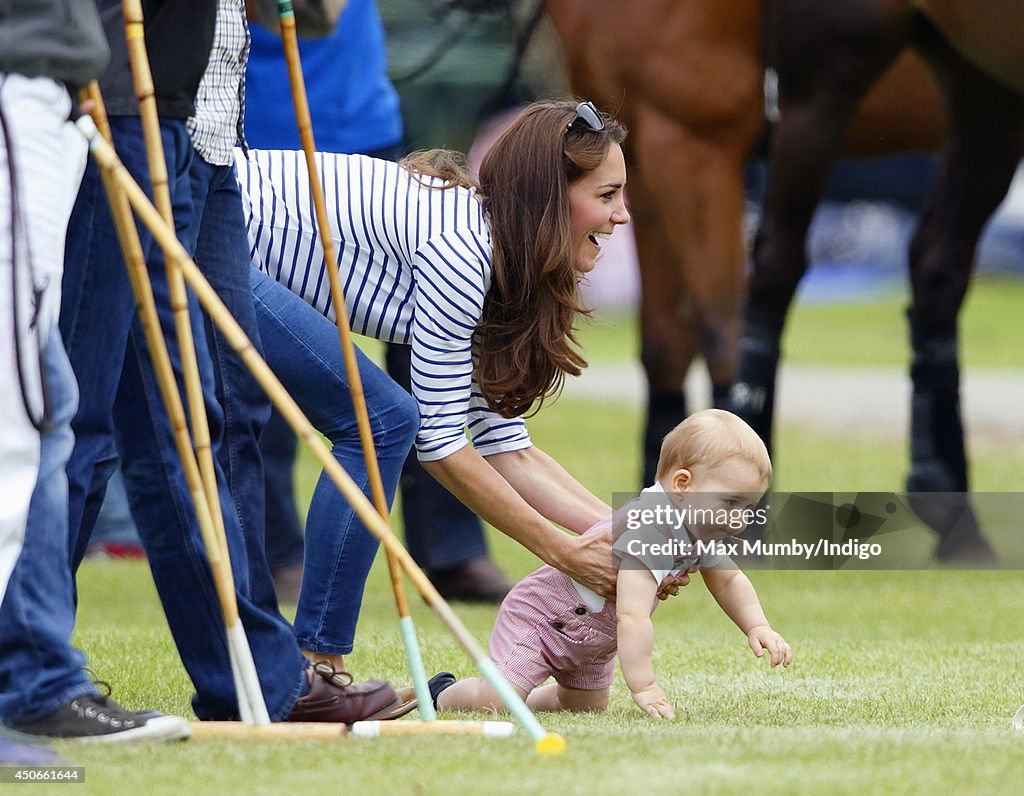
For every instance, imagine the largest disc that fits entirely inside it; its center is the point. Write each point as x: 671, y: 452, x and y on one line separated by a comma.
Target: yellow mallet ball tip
x: 551, y: 744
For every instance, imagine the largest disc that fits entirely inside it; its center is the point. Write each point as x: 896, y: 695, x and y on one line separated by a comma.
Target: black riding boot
x: 938, y: 459
x: 753, y: 394
x: 665, y: 410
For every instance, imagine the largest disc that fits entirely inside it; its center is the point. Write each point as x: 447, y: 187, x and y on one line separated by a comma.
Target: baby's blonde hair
x: 708, y: 438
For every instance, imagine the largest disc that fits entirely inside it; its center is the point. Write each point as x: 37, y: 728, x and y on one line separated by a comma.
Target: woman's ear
x: 681, y: 480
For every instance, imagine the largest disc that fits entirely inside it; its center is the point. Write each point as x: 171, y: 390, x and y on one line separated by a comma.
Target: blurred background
x: 456, y: 70
x: 844, y: 394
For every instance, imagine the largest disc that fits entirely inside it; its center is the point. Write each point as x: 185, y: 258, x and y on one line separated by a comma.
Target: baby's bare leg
x: 558, y: 697
x: 473, y: 693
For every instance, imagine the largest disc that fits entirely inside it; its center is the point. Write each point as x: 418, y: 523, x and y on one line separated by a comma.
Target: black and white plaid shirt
x: 217, y: 126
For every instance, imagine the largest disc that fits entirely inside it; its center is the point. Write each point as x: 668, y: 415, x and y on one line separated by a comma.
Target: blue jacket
x: 354, y: 107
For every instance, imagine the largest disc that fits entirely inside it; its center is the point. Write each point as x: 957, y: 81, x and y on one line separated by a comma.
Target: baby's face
x: 720, y: 500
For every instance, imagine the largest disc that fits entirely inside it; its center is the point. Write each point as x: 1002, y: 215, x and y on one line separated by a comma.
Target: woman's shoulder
x: 457, y: 223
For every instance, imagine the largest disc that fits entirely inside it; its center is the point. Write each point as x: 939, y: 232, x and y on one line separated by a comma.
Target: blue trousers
x: 301, y: 346
x: 440, y: 532
x: 120, y: 404
x: 39, y: 669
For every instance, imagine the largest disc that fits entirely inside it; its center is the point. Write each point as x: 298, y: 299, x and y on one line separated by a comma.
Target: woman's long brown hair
x: 525, y: 342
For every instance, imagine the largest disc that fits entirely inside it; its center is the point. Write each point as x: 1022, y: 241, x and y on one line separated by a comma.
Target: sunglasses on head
x: 587, y: 113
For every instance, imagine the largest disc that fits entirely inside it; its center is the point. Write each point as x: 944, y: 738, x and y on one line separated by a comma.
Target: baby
x: 712, y: 472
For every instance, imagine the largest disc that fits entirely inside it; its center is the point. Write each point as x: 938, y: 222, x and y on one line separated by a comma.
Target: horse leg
x: 693, y: 175
x: 665, y: 337
x: 828, y: 56
x: 984, y: 148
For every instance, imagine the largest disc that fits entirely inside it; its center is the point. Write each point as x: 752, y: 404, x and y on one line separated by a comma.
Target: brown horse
x: 686, y: 78
x: 829, y: 56
x: 989, y: 33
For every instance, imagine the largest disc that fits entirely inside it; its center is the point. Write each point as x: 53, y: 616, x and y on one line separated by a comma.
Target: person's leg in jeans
x: 39, y: 612
x: 98, y: 317
x: 222, y: 253
x: 284, y: 541
x: 301, y: 346
x: 161, y: 503
x: 39, y: 669
x: 114, y: 534
x: 96, y: 314
x: 442, y: 534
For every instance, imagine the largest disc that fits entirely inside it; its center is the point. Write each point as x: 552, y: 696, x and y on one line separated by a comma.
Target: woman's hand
x: 589, y: 561
x: 670, y: 586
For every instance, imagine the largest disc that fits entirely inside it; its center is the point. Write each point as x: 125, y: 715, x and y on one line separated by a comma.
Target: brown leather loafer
x: 334, y: 697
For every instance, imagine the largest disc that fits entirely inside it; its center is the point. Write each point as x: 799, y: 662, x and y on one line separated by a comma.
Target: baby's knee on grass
x: 580, y: 701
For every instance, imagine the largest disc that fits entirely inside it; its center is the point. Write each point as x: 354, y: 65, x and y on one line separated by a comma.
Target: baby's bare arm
x: 636, y: 591
x: 734, y: 592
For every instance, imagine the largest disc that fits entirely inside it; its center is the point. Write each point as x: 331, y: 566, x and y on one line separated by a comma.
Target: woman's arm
x: 518, y: 493
x: 545, y: 485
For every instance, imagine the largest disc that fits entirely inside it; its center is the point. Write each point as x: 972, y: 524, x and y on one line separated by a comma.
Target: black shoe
x: 438, y: 683
x: 476, y: 581
x: 92, y: 717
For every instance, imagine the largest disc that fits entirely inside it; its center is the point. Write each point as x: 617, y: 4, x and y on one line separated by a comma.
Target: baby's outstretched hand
x: 763, y: 638
x: 653, y: 702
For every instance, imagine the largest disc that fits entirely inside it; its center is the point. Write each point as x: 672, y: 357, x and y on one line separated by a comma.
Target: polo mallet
x: 1018, y: 718
x: 298, y: 86
x: 379, y: 729
x: 307, y: 731
x: 544, y: 742
x: 251, y: 706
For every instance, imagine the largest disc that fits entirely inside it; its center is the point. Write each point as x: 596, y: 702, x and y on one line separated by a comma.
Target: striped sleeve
x: 491, y: 433
x: 452, y: 278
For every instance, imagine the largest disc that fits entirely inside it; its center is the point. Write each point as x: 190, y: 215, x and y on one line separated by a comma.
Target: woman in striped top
x: 481, y: 277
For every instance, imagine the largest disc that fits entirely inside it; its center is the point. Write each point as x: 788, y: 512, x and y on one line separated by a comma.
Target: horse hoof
x: 975, y: 555
x: 933, y: 497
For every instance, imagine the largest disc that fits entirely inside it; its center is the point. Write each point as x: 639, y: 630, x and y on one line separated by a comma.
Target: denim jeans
x: 110, y: 356
x: 279, y: 445
x: 440, y: 531
x: 301, y: 346
x: 222, y: 253
x: 39, y: 669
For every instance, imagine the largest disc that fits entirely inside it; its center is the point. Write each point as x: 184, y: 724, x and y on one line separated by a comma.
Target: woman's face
x: 596, y: 206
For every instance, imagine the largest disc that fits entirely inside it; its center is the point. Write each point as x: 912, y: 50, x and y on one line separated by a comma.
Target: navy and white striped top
x: 415, y: 265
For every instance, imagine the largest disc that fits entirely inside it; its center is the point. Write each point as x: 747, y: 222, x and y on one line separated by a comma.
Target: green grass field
x: 903, y: 682
x: 870, y: 333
